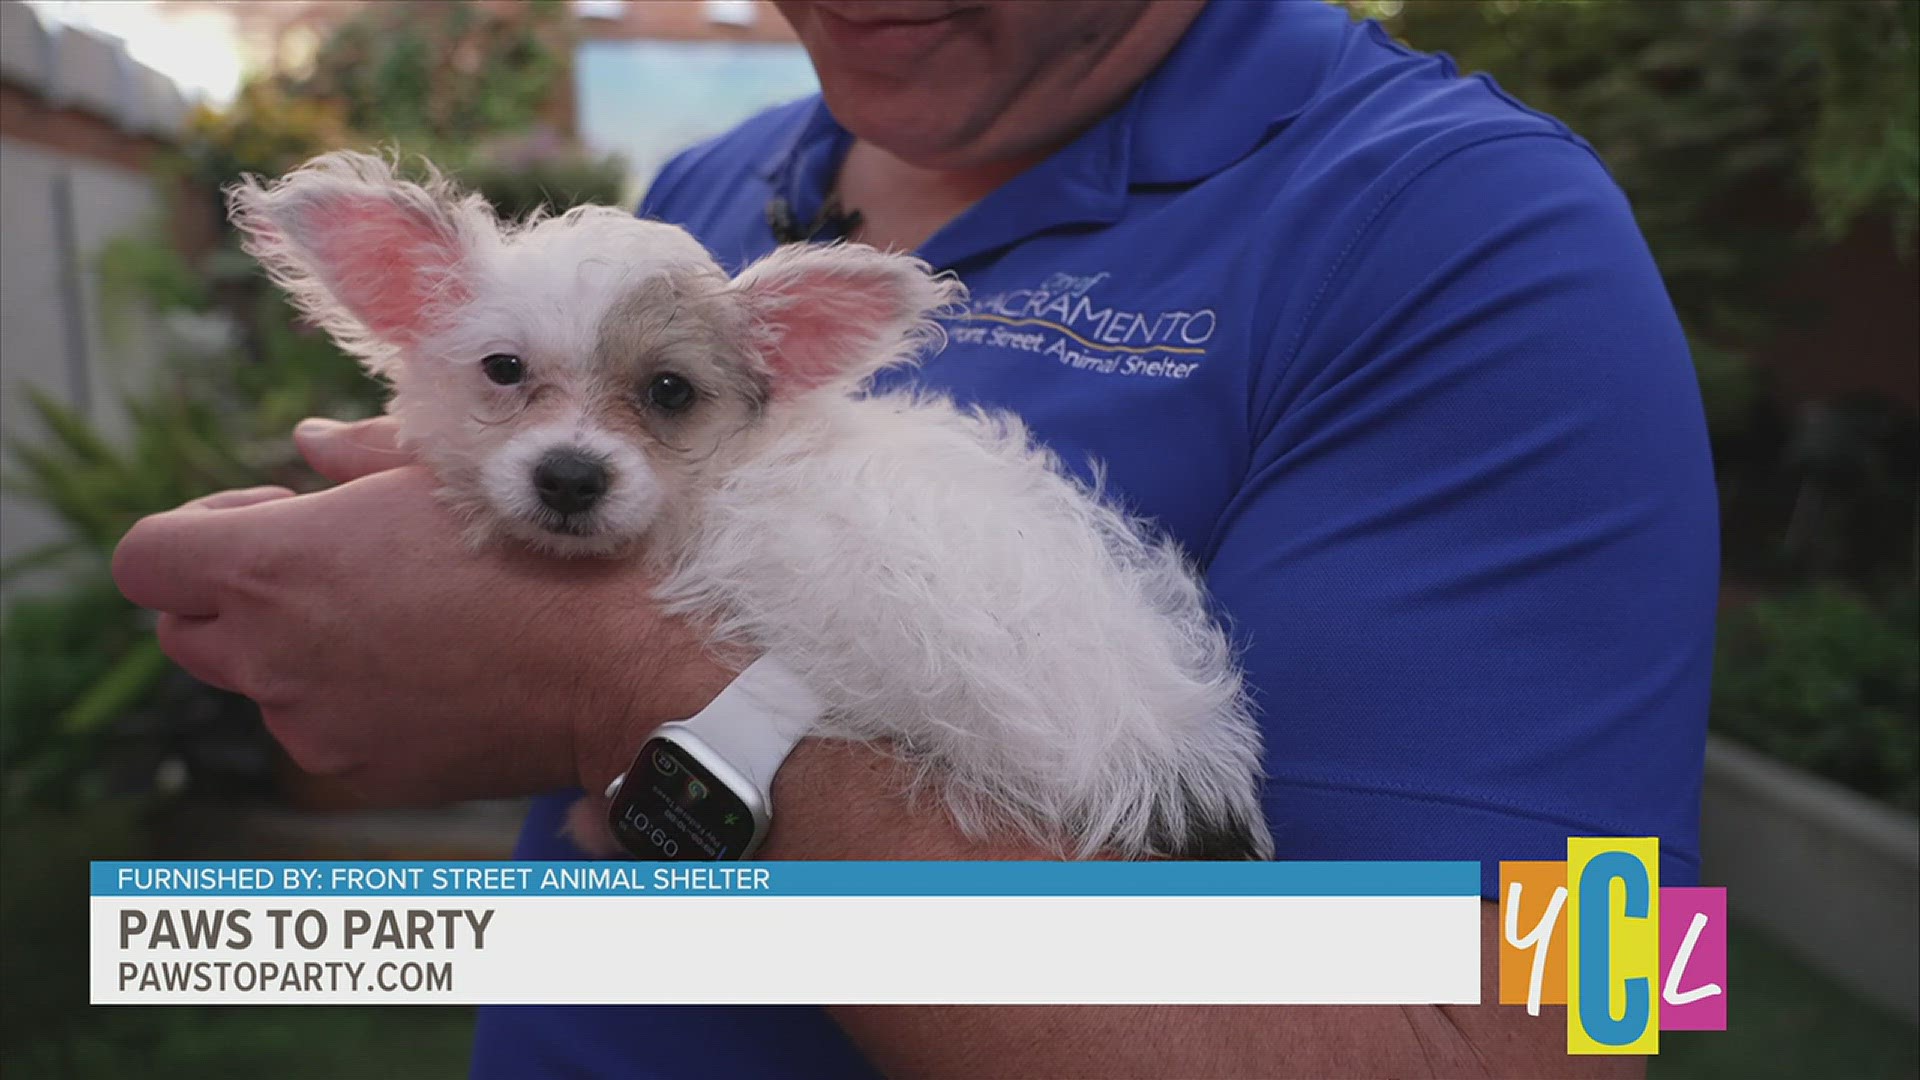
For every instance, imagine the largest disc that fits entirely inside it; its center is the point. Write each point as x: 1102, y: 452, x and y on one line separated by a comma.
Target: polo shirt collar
x: 1242, y: 70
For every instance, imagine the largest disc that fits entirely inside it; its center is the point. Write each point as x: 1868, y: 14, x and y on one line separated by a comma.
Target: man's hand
x: 383, y: 649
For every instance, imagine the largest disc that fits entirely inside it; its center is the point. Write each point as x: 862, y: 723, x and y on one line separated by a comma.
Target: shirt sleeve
x: 1474, y: 562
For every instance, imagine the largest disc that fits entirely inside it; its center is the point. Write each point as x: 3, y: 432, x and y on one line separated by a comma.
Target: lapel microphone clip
x: 832, y: 222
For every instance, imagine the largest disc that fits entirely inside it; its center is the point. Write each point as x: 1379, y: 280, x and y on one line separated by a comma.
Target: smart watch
x: 701, y: 788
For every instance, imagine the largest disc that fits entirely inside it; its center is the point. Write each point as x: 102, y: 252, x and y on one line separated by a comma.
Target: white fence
x: 63, y: 195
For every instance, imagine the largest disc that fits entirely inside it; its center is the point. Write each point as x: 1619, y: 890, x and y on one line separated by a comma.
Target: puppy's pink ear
x: 371, y: 258
x: 832, y: 315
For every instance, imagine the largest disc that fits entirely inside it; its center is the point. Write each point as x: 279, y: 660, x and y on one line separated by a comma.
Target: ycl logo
x: 1642, y: 960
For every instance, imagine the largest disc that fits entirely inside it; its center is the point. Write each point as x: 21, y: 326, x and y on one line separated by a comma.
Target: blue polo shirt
x: 1384, y: 349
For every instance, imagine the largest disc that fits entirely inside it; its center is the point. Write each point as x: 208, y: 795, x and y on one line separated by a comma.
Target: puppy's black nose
x: 570, y: 482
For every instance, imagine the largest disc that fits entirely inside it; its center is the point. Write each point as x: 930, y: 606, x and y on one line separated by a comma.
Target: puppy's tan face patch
x: 671, y: 374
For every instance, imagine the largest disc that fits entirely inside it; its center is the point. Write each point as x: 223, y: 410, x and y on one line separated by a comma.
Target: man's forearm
x: 843, y: 801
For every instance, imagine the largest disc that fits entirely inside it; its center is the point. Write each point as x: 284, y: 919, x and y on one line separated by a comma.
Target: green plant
x: 443, y: 74
x: 97, y: 488
x: 55, y: 652
x: 1714, y: 116
x: 1752, y: 138
x: 143, y: 270
x: 1864, y: 147
x: 270, y: 129
x: 1825, y: 680
x: 47, y: 1029
x: 466, y: 85
x: 43, y: 925
x: 90, y: 708
x: 517, y: 182
x: 267, y: 129
x: 88, y: 705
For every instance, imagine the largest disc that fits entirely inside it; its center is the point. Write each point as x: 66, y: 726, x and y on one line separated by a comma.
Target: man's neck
x: 901, y: 205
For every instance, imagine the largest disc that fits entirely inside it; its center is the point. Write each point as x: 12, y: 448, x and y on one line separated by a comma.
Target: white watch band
x: 757, y: 719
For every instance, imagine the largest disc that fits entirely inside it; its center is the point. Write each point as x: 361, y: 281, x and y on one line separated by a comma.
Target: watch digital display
x: 670, y: 808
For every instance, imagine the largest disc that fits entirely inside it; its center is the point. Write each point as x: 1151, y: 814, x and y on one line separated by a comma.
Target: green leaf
x: 71, y: 429
x: 39, y: 558
x: 119, y: 691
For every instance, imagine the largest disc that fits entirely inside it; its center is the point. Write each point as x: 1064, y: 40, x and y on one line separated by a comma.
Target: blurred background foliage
x: 444, y: 74
x: 88, y: 706
x: 1790, y: 664
x: 98, y: 731
x: 1754, y: 139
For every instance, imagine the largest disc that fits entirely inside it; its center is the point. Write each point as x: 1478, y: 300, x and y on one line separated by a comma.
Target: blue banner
x: 786, y: 878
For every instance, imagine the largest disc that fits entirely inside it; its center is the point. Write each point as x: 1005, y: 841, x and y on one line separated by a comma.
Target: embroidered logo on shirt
x: 1064, y: 320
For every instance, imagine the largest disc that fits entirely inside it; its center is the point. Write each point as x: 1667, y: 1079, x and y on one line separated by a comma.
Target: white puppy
x: 594, y: 384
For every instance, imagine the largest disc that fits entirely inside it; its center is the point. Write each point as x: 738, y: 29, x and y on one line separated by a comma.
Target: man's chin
x: 926, y: 128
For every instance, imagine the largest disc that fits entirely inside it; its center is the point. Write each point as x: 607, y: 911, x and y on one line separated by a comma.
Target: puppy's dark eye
x: 504, y: 368
x: 670, y: 393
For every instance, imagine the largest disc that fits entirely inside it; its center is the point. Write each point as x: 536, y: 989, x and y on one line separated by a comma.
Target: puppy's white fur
x: 930, y: 572
x: 936, y: 577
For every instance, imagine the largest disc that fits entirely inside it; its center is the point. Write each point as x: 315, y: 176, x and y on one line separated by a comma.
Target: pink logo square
x: 1693, y: 959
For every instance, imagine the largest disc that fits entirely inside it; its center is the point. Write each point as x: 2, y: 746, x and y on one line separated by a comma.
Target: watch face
x: 671, y: 808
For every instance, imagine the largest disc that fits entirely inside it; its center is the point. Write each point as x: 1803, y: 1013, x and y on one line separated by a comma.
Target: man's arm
x: 843, y: 801
x: 1472, y: 568
x: 236, y: 573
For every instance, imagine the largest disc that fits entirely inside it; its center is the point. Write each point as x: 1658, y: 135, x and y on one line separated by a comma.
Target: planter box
x: 1831, y: 875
